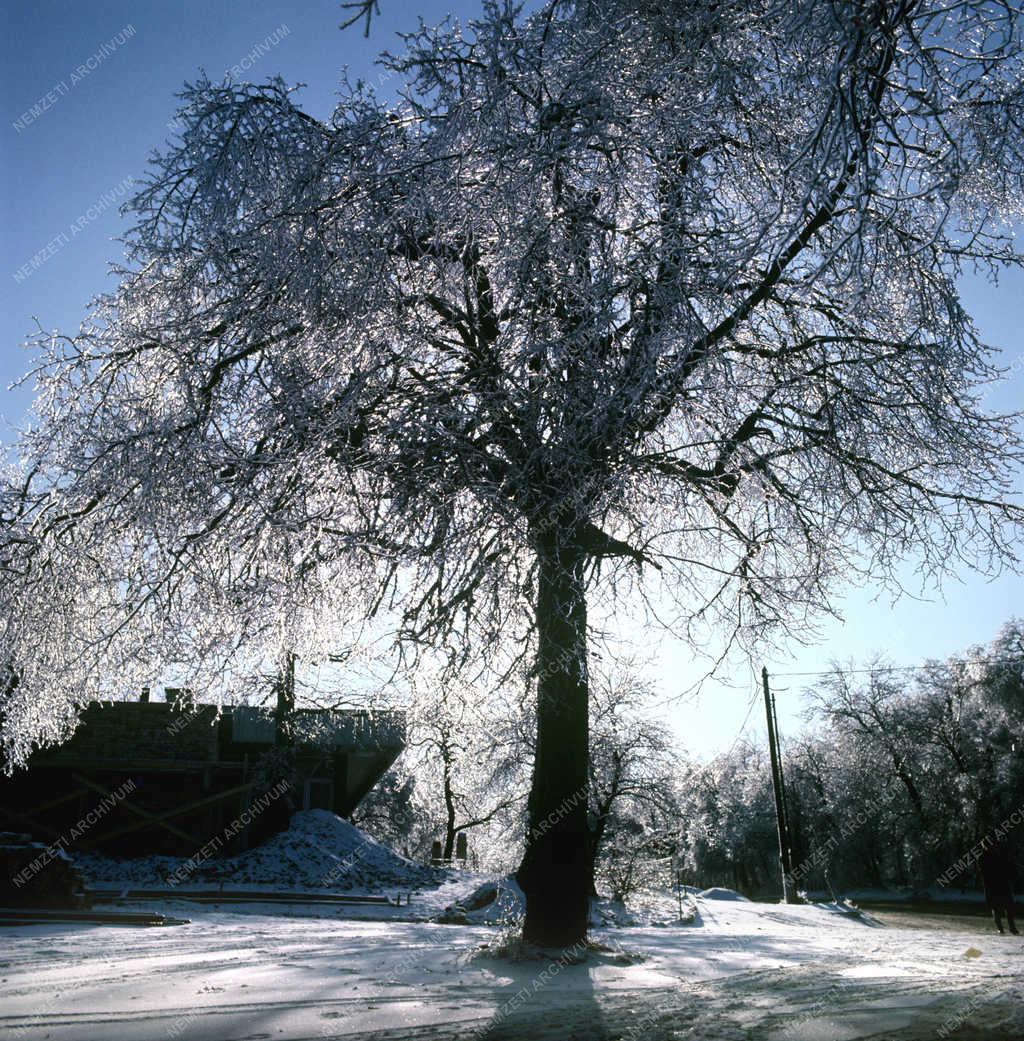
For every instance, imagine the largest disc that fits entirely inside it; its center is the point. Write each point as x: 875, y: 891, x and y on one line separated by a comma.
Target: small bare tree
x: 612, y: 286
x: 633, y: 810
x: 464, y: 745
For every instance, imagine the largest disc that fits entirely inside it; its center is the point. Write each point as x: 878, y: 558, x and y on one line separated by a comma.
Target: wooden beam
x: 56, y: 802
x: 177, y: 812
x: 135, y: 766
x: 150, y: 818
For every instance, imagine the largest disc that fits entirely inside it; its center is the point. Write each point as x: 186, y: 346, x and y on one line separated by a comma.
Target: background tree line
x: 898, y: 773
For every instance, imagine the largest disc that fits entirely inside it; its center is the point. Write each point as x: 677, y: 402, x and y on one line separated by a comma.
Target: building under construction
x: 168, y: 777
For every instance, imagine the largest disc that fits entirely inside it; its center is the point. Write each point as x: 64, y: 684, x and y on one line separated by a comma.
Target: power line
x: 904, y: 668
x: 750, y: 708
x: 746, y: 719
x: 854, y: 672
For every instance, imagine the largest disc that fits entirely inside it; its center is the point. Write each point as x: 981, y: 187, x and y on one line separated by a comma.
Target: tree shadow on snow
x: 546, y: 999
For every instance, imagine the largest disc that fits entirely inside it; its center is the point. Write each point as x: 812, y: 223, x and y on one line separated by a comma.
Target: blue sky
x: 88, y: 92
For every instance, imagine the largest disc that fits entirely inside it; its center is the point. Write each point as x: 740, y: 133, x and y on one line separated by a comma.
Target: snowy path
x: 747, y: 971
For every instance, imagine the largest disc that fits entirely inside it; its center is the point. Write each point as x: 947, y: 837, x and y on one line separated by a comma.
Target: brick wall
x: 138, y: 730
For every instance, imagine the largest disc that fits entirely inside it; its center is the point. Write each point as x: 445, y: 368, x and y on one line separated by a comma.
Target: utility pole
x: 780, y: 793
x: 782, y: 786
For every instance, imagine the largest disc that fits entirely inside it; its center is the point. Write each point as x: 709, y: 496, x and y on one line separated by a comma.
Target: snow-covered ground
x: 741, y: 970
x: 255, y: 971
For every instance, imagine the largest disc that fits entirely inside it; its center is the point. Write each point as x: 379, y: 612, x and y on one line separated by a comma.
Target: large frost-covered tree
x: 613, y: 286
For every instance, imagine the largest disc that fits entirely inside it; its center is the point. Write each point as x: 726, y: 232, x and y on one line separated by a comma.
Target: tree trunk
x: 554, y: 873
x: 593, y: 845
x: 449, y: 807
x: 595, y: 838
x: 284, y: 710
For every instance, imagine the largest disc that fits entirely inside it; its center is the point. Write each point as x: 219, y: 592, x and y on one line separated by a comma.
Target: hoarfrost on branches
x: 611, y: 287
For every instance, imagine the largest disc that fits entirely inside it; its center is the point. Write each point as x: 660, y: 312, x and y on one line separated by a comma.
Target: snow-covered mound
x: 319, y: 850
x: 493, y: 903
x: 152, y: 871
x: 502, y: 902
x: 717, y: 893
x: 322, y: 851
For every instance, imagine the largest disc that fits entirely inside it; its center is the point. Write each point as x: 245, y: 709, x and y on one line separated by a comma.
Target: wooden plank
x: 177, y: 812
x: 138, y: 811
x: 56, y: 802
x: 137, y: 766
x: 12, y: 916
x: 238, y: 896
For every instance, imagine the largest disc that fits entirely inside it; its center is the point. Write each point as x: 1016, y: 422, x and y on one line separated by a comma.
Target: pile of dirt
x: 319, y: 850
x: 322, y: 851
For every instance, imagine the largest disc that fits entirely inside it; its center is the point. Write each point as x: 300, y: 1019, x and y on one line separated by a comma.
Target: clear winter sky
x: 101, y: 106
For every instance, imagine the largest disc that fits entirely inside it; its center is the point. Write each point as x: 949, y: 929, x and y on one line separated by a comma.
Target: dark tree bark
x: 555, y: 872
x: 449, y: 806
x: 594, y: 844
x: 284, y: 708
x: 597, y: 832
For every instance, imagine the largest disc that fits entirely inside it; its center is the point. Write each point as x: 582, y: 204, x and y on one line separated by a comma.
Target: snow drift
x: 718, y: 893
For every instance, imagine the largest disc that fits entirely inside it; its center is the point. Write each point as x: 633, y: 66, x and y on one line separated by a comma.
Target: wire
x: 903, y: 668
x: 746, y: 718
